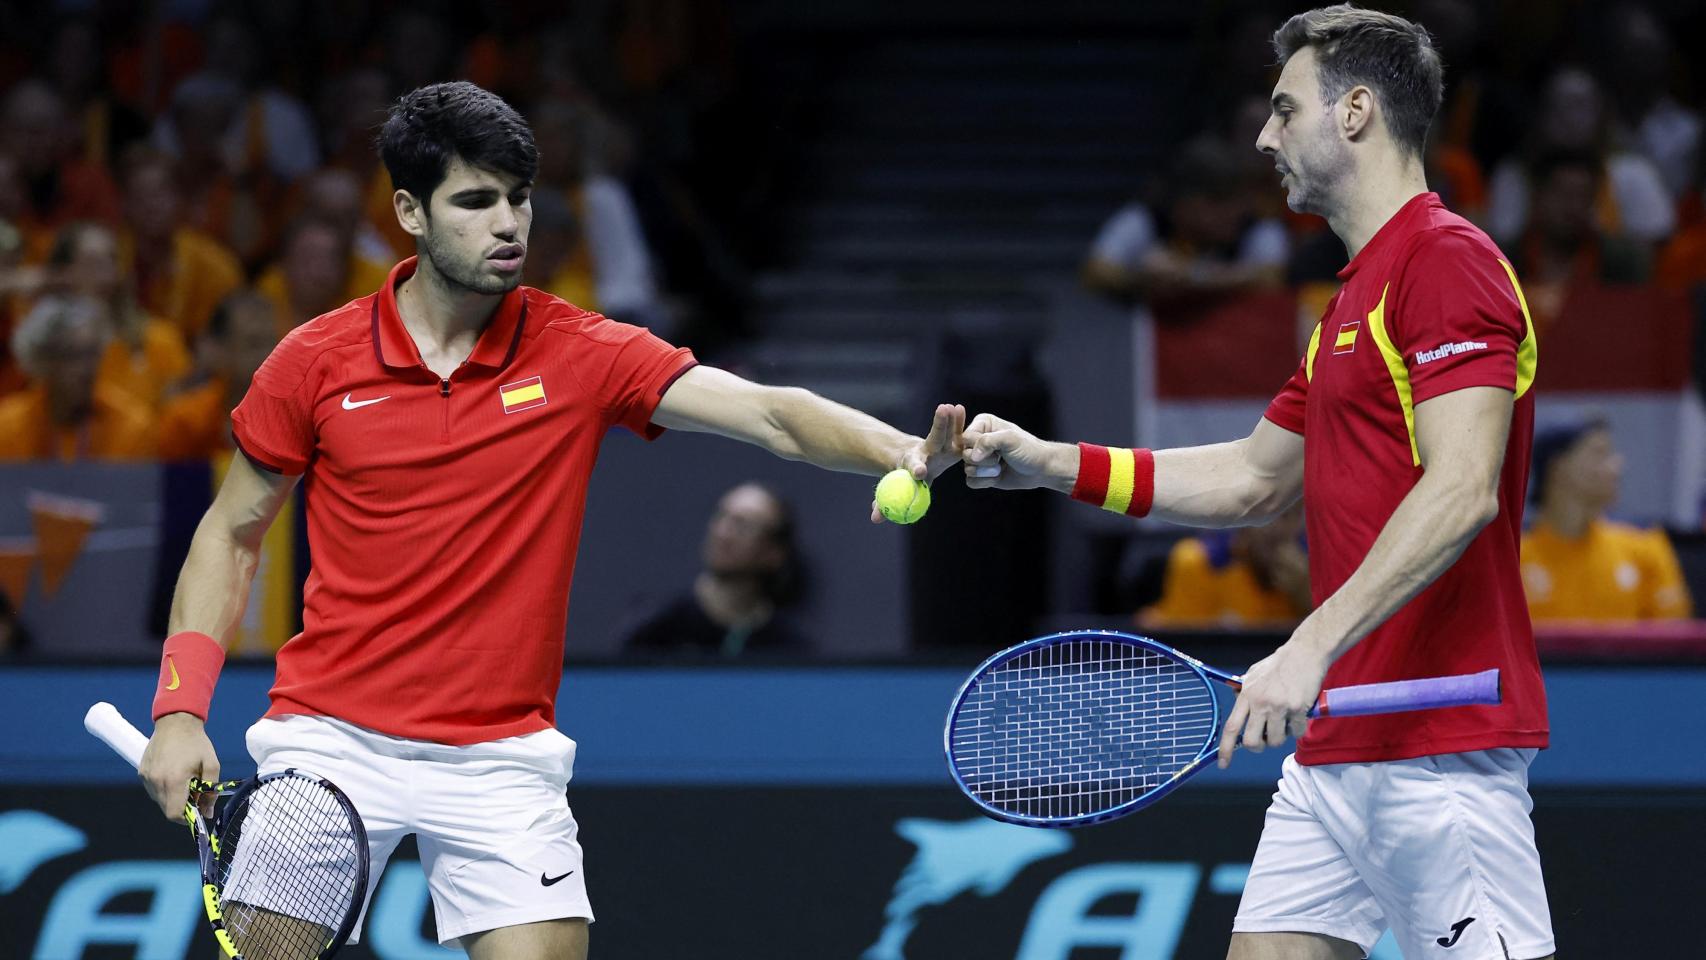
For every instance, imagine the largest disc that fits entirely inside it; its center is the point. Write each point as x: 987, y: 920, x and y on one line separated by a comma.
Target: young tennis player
x: 447, y: 425
x: 1406, y: 430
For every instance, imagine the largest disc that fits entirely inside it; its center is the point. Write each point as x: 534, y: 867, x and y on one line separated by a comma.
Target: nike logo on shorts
x: 348, y: 405
x: 547, y: 881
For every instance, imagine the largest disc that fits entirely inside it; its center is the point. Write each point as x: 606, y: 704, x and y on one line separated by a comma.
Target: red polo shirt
x: 443, y: 515
x: 1429, y: 306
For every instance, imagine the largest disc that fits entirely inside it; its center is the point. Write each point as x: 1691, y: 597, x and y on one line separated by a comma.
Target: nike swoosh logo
x: 174, y: 668
x: 349, y: 405
x: 547, y: 881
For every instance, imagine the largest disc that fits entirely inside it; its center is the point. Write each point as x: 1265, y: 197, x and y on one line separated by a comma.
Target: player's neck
x: 446, y: 317
x: 1379, y: 191
x: 1568, y: 518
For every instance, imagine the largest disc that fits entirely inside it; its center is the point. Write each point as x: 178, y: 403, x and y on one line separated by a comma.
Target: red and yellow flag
x: 522, y: 395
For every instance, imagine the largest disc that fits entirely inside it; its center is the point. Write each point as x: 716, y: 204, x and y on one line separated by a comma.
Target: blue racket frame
x: 1211, y: 743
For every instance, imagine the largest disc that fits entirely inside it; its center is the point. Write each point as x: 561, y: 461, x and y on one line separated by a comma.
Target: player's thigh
x: 498, y: 841
x: 316, y: 746
x: 1303, y: 888
x: 1291, y: 946
x: 1448, y: 848
x: 546, y: 940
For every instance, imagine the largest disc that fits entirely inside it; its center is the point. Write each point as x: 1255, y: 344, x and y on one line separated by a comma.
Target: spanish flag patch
x: 522, y: 395
x: 1346, y: 342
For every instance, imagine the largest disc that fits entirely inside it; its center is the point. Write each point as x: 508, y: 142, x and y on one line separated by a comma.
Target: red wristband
x: 189, y: 667
x: 1116, y: 479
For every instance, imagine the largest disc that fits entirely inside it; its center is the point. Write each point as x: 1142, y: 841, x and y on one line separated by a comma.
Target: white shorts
x: 1440, y: 849
x: 497, y: 841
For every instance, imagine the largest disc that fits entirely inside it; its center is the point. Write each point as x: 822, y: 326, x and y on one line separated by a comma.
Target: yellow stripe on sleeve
x: 1528, y: 351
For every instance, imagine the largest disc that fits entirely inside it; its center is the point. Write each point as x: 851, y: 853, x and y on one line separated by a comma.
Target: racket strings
x: 1080, y: 727
x: 290, y: 869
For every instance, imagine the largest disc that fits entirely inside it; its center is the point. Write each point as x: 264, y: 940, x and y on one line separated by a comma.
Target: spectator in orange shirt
x: 145, y: 354
x: 305, y: 281
x: 196, y: 424
x: 1577, y: 565
x: 316, y: 273
x: 181, y: 273
x: 58, y: 186
x: 67, y: 414
x: 1248, y: 577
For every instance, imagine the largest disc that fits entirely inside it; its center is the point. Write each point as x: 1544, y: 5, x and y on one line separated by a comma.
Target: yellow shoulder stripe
x: 1399, y: 371
x: 1309, y: 359
x: 1528, y: 351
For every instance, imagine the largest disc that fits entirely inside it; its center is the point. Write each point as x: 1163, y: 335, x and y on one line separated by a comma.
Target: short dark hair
x: 1390, y: 55
x: 431, y: 124
x: 1552, y: 443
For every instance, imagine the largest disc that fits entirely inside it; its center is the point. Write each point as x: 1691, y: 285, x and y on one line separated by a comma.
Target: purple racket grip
x: 1465, y: 690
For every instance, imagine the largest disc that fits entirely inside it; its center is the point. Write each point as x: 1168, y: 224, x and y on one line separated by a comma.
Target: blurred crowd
x: 1570, y: 132
x: 179, y: 187
x: 182, y: 183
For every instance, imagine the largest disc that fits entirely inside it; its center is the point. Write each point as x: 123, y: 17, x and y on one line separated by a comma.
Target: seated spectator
x: 1245, y: 577
x: 336, y: 196
x: 614, y: 243
x: 59, y: 186
x: 1640, y: 66
x: 1200, y: 241
x: 14, y: 636
x: 1577, y: 565
x: 1564, y: 245
x: 557, y: 258
x: 750, y: 574
x: 66, y: 414
x: 1682, y: 262
x: 352, y: 106
x: 195, y: 424
x: 317, y: 272
x: 145, y: 354
x: 181, y: 273
x: 1631, y: 199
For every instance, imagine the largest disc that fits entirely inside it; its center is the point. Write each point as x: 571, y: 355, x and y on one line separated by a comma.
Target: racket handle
x: 1468, y: 689
x: 987, y: 470
x: 104, y: 721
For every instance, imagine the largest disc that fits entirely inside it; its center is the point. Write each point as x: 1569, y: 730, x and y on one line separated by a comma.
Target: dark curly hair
x: 430, y: 125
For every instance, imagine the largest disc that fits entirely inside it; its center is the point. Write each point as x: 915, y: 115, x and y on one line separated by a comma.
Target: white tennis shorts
x: 1440, y: 849
x: 497, y: 841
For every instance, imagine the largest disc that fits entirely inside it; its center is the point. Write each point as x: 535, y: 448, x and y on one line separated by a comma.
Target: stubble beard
x: 462, y: 277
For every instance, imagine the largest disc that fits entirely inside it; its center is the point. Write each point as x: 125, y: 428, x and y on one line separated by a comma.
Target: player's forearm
x: 213, y: 587
x: 1218, y: 485
x: 1431, y: 528
x: 812, y: 429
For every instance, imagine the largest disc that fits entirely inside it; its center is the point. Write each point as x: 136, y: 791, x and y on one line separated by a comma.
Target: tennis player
x: 447, y: 425
x: 1415, y: 399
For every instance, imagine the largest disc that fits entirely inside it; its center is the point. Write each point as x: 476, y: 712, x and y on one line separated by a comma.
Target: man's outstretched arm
x: 1242, y: 483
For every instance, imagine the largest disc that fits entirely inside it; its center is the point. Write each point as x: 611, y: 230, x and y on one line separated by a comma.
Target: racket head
x: 289, y: 868
x: 1080, y: 727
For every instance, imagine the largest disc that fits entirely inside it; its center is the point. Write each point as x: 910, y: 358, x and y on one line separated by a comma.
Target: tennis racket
x: 283, y: 864
x: 1089, y: 725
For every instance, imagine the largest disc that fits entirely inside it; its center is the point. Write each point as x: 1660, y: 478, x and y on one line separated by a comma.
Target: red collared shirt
x: 443, y: 514
x: 1429, y: 306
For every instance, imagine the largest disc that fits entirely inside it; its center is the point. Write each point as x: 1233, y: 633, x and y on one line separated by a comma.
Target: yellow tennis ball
x: 901, y: 498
